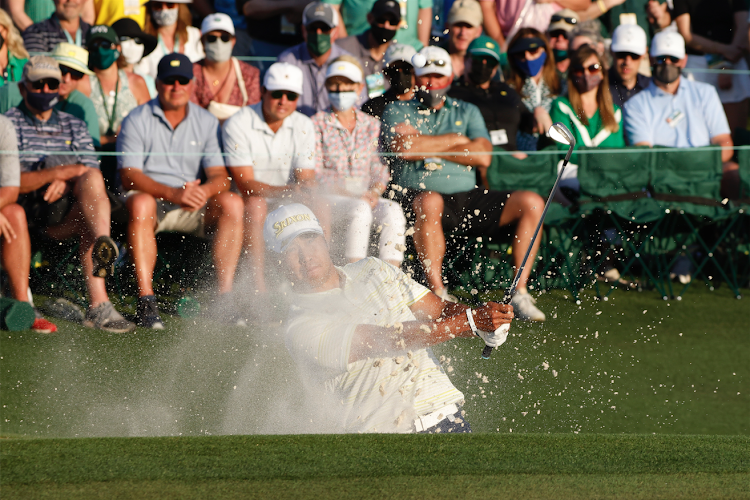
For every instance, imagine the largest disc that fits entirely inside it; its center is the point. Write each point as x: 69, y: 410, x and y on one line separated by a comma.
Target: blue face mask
x: 341, y: 101
x: 532, y: 68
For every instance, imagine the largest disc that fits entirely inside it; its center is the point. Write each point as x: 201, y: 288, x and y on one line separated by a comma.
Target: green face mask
x: 560, y: 55
x: 102, y: 58
x: 318, y: 44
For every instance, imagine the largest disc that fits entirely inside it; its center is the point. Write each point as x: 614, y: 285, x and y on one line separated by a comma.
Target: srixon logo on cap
x: 283, y: 224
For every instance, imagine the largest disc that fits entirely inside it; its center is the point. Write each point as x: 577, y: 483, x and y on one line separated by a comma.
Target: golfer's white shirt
x: 380, y: 393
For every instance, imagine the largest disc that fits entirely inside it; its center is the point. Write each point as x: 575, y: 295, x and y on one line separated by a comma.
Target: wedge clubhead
x: 560, y: 133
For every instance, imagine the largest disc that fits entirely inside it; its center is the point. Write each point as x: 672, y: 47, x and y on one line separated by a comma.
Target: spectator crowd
x: 373, y: 113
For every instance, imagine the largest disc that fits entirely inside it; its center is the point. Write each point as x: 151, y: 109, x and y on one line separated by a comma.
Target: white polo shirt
x: 250, y: 142
x: 381, y: 393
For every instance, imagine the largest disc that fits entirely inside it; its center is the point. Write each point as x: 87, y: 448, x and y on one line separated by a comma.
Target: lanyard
x: 176, y: 47
x: 77, y: 41
x: 110, y: 117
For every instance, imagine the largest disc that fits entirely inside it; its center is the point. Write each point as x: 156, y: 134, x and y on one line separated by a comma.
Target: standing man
x: 63, y: 193
x: 448, y: 200
x: 362, y: 333
x: 65, y: 25
x: 165, y: 193
x: 270, y: 154
x: 399, y: 72
x: 319, y: 21
x: 464, y: 25
x: 628, y: 48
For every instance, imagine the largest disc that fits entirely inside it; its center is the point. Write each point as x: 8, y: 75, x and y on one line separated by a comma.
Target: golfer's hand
x: 492, y: 316
x: 55, y: 191
x: 6, y: 229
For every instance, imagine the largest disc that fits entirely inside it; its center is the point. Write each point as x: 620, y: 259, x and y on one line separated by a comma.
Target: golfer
x: 363, y: 333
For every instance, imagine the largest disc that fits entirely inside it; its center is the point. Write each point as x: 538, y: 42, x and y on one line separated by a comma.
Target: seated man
x: 65, y: 25
x: 270, y: 154
x: 15, y: 244
x: 63, y: 192
x: 448, y: 200
x: 400, y: 75
x: 676, y: 112
x: 464, y: 25
x: 362, y: 333
x: 628, y: 48
x: 164, y: 192
x: 73, y: 62
x: 560, y: 26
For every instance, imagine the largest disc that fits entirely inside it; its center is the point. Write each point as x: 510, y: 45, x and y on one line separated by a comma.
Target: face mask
x: 400, y: 80
x: 133, y: 52
x: 102, y: 58
x: 560, y: 55
x: 41, y: 101
x: 382, y: 35
x: 481, y: 73
x: 433, y: 97
x: 584, y: 83
x: 165, y: 17
x: 666, y: 73
x: 341, y: 101
x: 219, y: 51
x: 318, y: 44
x: 532, y: 68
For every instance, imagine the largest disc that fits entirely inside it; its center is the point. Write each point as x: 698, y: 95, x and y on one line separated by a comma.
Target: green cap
x: 102, y: 31
x: 486, y: 46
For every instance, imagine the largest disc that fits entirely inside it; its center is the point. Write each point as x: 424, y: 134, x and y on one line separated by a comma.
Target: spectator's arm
x: 244, y: 177
x: 18, y: 14
x: 491, y: 25
x: 8, y: 195
x: 134, y: 179
x: 341, y: 27
x: 740, y: 38
x: 217, y: 180
x: 703, y: 44
x: 576, y: 5
x: 263, y: 9
x: 424, y: 25
x: 89, y: 13
x: 644, y: 143
x: 31, y: 181
x: 725, y: 141
x: 593, y: 11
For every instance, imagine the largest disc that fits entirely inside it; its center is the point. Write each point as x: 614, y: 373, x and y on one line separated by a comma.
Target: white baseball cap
x: 286, y: 223
x: 465, y: 11
x: 432, y: 59
x: 668, y: 43
x: 399, y: 52
x: 345, y: 69
x: 217, y: 22
x: 283, y: 76
x: 629, y: 38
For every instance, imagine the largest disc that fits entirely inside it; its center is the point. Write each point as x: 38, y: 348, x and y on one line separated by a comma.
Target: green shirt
x: 443, y: 176
x: 592, y: 135
x: 39, y: 10
x: 76, y: 104
x: 14, y: 70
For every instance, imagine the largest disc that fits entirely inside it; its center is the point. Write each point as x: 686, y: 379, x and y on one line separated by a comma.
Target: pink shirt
x: 537, y: 16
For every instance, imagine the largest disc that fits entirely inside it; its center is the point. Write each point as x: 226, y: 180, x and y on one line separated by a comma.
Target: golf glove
x: 496, y: 338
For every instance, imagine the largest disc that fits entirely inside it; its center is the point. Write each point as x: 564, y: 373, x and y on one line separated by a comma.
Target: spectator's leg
x: 224, y: 218
x: 16, y: 253
x: 730, y: 180
x: 256, y: 210
x: 359, y: 215
x: 429, y: 239
x: 524, y: 209
x: 388, y: 213
x: 142, y: 224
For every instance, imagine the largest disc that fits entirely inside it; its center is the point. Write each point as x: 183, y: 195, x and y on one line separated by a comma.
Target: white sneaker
x: 524, y: 308
x: 443, y: 294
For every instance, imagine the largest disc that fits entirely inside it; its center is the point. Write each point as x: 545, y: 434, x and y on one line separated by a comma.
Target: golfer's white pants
x: 358, y: 218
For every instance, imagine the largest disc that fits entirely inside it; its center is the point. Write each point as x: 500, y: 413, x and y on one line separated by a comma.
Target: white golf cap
x: 217, y: 22
x: 668, y: 43
x: 399, y: 52
x: 465, y: 11
x: 286, y: 223
x: 345, y: 69
x: 629, y: 38
x: 432, y: 59
x: 283, y: 76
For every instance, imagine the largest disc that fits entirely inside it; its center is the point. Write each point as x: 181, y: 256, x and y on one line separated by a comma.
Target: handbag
x: 223, y: 111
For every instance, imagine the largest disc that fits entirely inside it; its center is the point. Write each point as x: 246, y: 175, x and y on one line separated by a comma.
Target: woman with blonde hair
x: 13, y: 55
x: 534, y: 76
x: 171, y: 23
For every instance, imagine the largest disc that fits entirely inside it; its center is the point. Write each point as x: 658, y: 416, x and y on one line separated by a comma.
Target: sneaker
x: 443, y: 294
x: 41, y: 325
x: 105, y: 317
x: 524, y: 308
x: 104, y: 255
x: 148, y: 313
x: 682, y: 270
x: 64, y: 309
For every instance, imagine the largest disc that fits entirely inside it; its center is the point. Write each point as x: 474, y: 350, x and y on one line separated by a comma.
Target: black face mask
x: 400, y: 80
x: 481, y: 73
x: 41, y: 101
x: 382, y: 35
x: 666, y: 73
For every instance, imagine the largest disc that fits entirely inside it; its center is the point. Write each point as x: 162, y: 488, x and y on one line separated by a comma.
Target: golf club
x: 561, y: 134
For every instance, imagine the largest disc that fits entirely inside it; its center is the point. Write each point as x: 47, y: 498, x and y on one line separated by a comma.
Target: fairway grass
x: 379, y: 466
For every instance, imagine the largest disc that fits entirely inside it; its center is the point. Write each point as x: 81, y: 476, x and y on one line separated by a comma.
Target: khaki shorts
x: 173, y: 219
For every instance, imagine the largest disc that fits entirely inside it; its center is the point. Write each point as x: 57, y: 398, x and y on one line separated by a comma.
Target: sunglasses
x: 225, y: 37
x: 436, y: 62
x: 558, y: 33
x: 162, y: 5
x: 625, y: 55
x: 74, y: 74
x: 556, y: 18
x: 522, y: 55
x: 102, y: 44
x: 278, y: 94
x: 663, y: 59
x: 51, y: 83
x: 135, y: 39
x: 171, y: 80
x: 314, y: 27
x: 594, y: 68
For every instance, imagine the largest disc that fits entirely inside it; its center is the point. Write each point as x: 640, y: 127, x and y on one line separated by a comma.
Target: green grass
x: 377, y: 466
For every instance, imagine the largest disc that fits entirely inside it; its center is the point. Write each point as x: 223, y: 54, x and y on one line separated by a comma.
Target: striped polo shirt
x: 381, y: 393
x: 63, y: 134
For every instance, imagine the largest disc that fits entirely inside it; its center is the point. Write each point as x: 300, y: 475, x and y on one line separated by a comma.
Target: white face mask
x: 132, y: 51
x: 218, y: 51
x: 341, y: 101
x: 166, y: 17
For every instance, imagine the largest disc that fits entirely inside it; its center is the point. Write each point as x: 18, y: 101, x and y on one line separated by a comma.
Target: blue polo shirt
x: 146, y: 136
x: 434, y: 174
x: 689, y: 118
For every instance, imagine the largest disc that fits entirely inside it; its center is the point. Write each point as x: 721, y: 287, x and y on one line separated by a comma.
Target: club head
x: 560, y: 133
